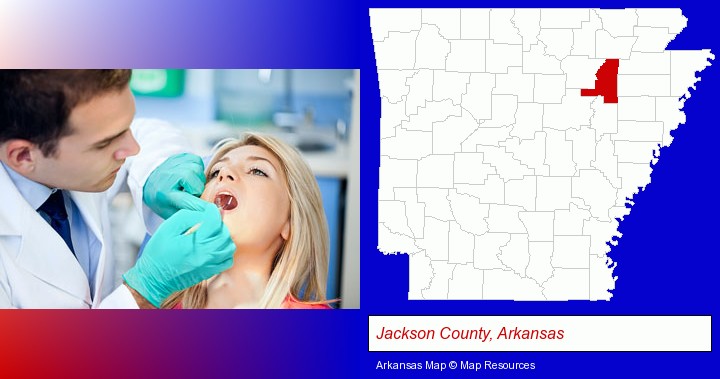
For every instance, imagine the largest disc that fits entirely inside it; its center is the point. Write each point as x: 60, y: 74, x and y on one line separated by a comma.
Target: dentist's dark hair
x: 35, y: 104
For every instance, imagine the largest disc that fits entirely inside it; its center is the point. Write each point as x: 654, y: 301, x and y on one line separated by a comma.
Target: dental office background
x: 317, y: 111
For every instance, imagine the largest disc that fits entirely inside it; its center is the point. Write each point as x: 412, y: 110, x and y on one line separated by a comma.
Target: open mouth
x: 225, y: 201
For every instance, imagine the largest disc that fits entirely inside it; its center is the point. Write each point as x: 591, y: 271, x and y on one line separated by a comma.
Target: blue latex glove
x: 173, y: 261
x: 175, y: 185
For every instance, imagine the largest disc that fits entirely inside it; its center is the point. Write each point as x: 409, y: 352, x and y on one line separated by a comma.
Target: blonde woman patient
x: 271, y: 204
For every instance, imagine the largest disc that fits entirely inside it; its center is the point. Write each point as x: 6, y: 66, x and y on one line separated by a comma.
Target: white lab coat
x: 37, y: 270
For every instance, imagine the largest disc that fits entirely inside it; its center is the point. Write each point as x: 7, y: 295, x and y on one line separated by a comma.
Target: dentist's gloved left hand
x: 175, y: 185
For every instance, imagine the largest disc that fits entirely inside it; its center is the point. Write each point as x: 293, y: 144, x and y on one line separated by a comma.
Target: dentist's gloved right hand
x: 172, y: 261
x: 175, y: 185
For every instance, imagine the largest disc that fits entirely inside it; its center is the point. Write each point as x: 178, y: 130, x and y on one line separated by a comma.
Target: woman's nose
x: 225, y: 175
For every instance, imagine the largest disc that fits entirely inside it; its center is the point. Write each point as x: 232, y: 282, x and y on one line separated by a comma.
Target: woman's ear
x: 18, y: 154
x: 285, y: 233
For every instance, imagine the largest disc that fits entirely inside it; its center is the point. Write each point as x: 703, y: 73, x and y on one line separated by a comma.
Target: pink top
x: 289, y: 303
x: 293, y: 303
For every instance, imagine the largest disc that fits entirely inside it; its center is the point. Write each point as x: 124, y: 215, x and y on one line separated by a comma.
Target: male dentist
x: 68, y: 143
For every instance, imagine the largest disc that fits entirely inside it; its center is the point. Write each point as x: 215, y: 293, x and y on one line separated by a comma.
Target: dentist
x: 68, y: 144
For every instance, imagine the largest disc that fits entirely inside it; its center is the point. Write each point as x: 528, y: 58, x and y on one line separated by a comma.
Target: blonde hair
x: 300, y: 267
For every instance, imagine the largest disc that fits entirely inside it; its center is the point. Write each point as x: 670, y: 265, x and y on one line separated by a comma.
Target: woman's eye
x: 257, y: 171
x: 213, y: 174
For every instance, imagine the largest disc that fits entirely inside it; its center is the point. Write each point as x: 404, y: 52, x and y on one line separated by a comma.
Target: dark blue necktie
x: 54, y: 208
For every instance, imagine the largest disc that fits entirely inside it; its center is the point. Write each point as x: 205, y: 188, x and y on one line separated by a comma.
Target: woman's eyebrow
x: 223, y: 159
x: 258, y: 158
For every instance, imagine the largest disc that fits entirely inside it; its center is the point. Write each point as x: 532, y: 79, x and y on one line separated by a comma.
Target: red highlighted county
x: 606, y: 82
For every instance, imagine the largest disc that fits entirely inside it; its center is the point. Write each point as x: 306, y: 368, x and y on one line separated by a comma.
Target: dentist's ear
x: 285, y: 233
x: 19, y: 154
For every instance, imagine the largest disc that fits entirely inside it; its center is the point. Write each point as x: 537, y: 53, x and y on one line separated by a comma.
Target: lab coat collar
x: 41, y: 251
x: 33, y: 192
